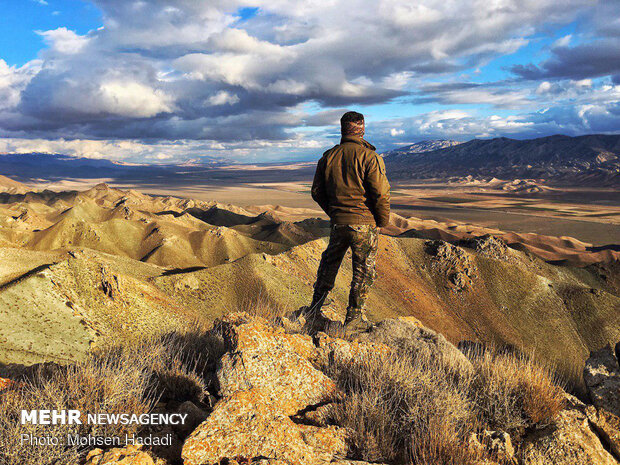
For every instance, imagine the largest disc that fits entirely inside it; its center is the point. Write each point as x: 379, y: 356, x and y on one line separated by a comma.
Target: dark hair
x: 351, y: 117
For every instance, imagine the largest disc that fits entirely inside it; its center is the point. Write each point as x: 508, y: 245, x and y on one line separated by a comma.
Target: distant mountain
x: 35, y: 166
x: 422, y: 147
x: 591, y: 159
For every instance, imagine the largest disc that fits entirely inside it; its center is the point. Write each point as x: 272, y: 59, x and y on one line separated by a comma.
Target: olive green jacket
x: 350, y: 184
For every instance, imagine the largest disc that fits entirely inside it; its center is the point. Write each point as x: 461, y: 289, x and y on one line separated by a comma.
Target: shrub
x: 512, y: 392
x: 128, y: 378
x: 404, y: 407
x: 113, y: 383
x: 410, y: 407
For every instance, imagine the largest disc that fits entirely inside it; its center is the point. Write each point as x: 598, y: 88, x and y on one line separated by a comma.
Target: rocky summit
x: 275, y: 402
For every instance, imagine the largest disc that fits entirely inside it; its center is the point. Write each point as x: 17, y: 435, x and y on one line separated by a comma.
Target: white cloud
x: 192, y: 70
x: 563, y: 41
x: 63, y: 40
x: 223, y: 98
x: 544, y: 87
x: 12, y: 81
x: 584, y: 83
x: 131, y: 99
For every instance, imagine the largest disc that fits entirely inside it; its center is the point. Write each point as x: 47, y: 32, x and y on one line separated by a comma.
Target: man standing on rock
x: 351, y: 186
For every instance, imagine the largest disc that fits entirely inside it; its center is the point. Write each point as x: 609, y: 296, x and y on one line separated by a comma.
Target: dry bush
x: 402, y: 408
x: 411, y: 407
x: 184, y: 363
x: 114, y: 383
x: 260, y: 305
x: 513, y: 392
x: 127, y: 378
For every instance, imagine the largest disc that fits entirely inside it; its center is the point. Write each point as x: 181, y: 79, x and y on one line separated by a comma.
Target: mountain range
x: 50, y: 166
x: 422, y: 147
x: 591, y: 159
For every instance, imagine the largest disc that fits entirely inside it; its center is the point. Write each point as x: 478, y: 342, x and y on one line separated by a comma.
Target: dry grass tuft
x: 410, y: 407
x: 262, y: 306
x: 514, y: 393
x: 127, y: 379
x: 114, y: 383
x: 399, y: 409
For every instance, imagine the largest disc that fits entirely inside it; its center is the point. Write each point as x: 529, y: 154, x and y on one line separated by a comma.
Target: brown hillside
x: 112, y: 263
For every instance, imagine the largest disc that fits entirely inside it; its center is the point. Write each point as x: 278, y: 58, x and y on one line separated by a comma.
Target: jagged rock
x: 264, y: 377
x: 488, y: 246
x: 607, y: 426
x: 454, y: 262
x: 336, y: 350
x: 246, y: 426
x: 602, y: 377
x: 408, y: 335
x: 109, y: 283
x: 195, y: 416
x: 568, y: 440
x: 130, y: 455
x: 496, y: 444
x: 264, y: 358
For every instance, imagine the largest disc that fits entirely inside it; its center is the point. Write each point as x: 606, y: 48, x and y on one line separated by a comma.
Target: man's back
x: 350, y: 184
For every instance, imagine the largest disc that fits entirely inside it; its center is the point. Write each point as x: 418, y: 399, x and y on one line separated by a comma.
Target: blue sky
x: 173, y: 80
x: 20, y: 19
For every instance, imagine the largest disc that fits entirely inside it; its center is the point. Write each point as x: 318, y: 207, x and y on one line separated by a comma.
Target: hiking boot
x: 356, y: 322
x: 316, y: 323
x: 302, y: 312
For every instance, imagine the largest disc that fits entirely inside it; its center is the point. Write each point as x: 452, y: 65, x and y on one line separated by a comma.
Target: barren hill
x: 10, y: 186
x: 591, y: 159
x: 81, y: 266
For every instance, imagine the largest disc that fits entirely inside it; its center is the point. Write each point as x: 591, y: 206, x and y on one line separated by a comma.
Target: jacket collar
x: 357, y: 140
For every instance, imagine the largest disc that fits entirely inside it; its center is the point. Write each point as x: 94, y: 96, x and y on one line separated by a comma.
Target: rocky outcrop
x: 570, y: 439
x: 267, y: 383
x: 109, y: 283
x: 602, y: 378
x: 247, y: 425
x: 488, y: 246
x: 262, y: 358
x: 607, y: 426
x: 276, y: 406
x: 130, y: 455
x: 338, y: 351
x: 452, y: 261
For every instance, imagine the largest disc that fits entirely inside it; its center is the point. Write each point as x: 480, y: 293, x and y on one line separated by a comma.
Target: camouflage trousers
x: 363, y: 241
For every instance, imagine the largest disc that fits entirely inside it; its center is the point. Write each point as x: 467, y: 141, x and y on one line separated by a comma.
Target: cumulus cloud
x: 591, y: 60
x: 500, y: 95
x: 463, y: 125
x: 597, y: 54
x: 188, y: 71
x: 63, y: 40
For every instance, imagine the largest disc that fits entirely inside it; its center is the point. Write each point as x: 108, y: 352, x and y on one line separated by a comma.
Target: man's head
x: 352, y: 124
